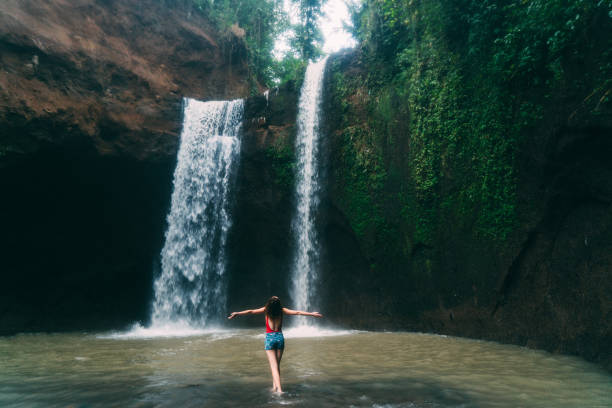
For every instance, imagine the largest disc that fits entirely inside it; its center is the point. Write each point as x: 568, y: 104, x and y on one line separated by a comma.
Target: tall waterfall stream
x: 192, y: 286
x: 306, y: 258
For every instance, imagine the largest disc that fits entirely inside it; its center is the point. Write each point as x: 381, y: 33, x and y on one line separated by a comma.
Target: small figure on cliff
x: 275, y: 341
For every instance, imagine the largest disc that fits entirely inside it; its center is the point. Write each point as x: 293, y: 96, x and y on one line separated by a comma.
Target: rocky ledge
x: 108, y: 74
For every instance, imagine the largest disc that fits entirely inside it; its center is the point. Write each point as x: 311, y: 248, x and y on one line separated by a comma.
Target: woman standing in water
x: 275, y: 342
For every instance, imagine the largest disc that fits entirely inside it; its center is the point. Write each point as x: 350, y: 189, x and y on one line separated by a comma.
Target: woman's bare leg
x: 274, y: 365
x: 279, y: 356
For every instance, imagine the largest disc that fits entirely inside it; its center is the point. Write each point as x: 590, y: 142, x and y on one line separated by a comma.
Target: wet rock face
x: 259, y: 244
x: 108, y: 73
x: 557, y: 294
x: 547, y: 286
x: 90, y: 115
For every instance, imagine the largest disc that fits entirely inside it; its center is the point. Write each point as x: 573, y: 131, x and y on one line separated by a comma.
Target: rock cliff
x: 108, y: 74
x: 90, y: 113
x: 546, y: 285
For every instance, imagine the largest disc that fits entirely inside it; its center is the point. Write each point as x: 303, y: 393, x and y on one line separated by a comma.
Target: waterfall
x: 191, y: 287
x: 306, y: 257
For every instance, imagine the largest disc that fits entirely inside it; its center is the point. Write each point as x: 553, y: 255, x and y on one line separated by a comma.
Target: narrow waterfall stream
x: 306, y: 257
x: 191, y: 288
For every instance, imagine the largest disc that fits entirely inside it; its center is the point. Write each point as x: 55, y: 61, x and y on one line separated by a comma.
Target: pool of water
x: 328, y: 369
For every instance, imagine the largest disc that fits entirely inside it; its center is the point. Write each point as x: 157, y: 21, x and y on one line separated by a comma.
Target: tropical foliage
x: 263, y: 22
x: 450, y: 95
x: 307, y: 39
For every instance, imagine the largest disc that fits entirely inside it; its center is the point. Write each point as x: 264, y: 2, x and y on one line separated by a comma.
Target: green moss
x: 447, y: 96
x: 364, y: 178
x: 282, y: 161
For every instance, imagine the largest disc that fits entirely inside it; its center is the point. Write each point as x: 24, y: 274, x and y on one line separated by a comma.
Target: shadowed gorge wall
x: 80, y: 239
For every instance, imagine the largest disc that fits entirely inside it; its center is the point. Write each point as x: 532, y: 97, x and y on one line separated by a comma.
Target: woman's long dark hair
x: 273, y: 307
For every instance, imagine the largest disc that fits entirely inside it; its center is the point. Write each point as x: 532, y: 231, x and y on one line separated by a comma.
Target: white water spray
x: 306, y: 258
x: 191, y: 288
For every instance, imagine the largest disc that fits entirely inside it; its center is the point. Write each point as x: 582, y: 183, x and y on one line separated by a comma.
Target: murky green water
x: 229, y: 368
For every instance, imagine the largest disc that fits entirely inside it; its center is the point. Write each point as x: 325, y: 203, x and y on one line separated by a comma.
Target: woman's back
x: 274, y: 324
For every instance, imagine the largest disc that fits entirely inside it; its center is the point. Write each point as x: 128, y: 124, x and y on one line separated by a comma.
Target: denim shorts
x: 275, y: 341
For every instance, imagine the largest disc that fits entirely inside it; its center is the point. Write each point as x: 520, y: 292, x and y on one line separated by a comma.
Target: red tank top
x: 269, y: 329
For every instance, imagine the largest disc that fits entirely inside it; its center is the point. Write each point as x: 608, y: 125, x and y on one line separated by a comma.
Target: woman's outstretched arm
x: 250, y: 311
x: 301, y: 313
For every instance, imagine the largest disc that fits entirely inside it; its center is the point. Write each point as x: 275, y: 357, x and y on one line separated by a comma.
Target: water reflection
x: 228, y: 368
